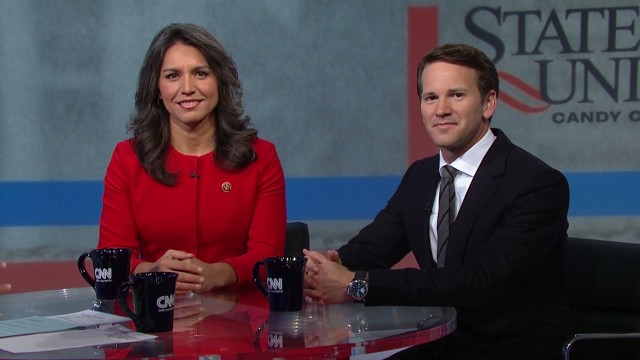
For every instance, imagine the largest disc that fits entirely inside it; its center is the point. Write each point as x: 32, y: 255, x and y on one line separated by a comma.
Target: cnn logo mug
x: 153, y: 298
x: 110, y: 269
x: 284, y: 283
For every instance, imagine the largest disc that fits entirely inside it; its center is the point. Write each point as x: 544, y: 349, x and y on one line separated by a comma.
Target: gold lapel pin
x: 226, y: 186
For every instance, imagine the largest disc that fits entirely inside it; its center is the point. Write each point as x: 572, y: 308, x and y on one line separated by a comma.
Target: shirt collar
x: 469, y: 162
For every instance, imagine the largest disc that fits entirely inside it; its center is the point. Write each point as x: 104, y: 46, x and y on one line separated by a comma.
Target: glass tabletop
x: 237, y: 324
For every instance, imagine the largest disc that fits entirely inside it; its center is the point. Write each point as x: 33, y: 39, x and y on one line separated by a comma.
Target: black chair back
x: 297, y: 239
x: 603, y: 284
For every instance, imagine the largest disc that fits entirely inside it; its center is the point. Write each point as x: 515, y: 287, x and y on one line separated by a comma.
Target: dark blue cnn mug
x: 110, y: 269
x: 153, y: 300
x: 284, y: 282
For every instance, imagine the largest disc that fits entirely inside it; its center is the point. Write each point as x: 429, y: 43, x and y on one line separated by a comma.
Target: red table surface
x: 237, y: 324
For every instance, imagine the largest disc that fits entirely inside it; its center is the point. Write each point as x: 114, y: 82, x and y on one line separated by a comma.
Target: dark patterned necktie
x: 446, y: 211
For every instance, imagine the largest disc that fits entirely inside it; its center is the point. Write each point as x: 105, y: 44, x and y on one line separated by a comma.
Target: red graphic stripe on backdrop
x: 526, y: 89
x: 518, y: 105
x: 422, y: 24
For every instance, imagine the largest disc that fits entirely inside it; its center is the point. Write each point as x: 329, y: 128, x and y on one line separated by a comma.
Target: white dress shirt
x: 466, y: 166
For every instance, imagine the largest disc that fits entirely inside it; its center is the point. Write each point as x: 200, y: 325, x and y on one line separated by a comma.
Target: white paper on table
x: 90, y: 318
x: 32, y: 325
x: 116, y: 334
x: 38, y: 324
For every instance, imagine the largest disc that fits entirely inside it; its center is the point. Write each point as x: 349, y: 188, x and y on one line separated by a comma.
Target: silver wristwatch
x: 358, y: 287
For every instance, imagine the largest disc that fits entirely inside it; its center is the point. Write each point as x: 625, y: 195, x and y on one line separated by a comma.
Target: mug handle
x: 256, y: 277
x: 83, y: 270
x: 123, y: 295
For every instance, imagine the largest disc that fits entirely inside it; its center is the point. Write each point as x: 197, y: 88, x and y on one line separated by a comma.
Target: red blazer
x: 220, y: 216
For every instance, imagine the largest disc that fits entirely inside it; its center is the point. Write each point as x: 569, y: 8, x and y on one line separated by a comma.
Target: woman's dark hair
x: 150, y: 122
x: 464, y: 55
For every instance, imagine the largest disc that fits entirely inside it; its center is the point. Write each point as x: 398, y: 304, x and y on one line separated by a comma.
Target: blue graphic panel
x: 72, y: 203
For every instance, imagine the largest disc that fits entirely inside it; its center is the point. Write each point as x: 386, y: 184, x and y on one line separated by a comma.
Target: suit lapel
x: 422, y: 249
x: 482, y: 189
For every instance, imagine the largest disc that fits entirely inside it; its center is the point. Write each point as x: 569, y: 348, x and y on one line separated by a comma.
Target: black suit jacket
x: 504, y: 269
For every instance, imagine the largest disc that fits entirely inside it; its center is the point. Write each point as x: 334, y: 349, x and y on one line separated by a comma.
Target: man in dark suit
x: 500, y: 263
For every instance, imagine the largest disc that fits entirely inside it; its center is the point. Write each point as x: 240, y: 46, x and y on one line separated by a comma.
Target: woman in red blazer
x: 194, y: 191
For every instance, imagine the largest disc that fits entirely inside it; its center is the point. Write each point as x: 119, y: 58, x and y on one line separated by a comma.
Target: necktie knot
x: 449, y: 172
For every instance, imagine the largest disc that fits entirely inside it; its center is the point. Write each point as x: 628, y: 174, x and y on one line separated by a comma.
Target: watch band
x: 360, y: 275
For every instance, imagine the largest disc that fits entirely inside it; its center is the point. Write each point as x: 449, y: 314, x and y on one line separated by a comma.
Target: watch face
x: 358, y: 289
